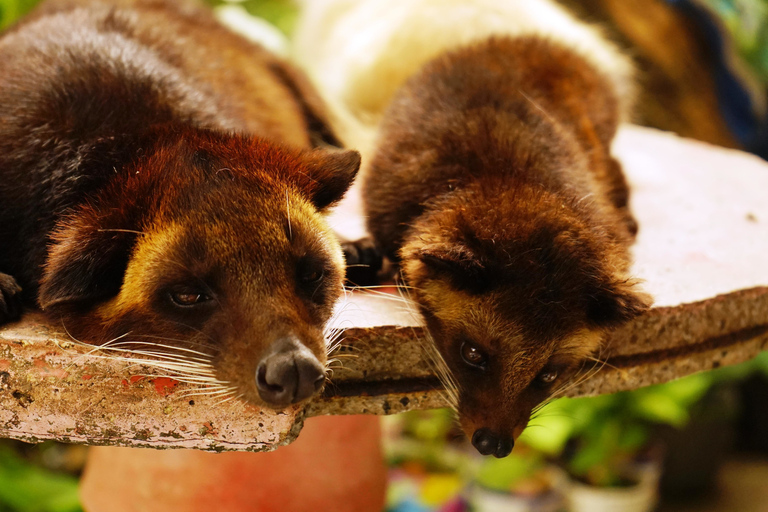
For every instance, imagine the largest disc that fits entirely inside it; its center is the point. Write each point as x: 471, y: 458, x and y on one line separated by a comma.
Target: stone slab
x: 704, y: 231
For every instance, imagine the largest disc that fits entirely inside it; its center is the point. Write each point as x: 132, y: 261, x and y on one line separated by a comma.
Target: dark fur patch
x: 10, y: 298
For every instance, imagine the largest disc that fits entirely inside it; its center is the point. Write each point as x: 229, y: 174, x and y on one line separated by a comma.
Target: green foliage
x: 429, y: 426
x: 504, y: 474
x: 760, y: 364
x: 11, y: 10
x: 25, y: 487
x: 606, y: 432
x: 747, y: 21
x: 280, y: 13
x: 424, y: 438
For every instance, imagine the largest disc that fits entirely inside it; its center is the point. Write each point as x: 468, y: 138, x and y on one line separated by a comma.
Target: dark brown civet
x: 161, y: 191
x: 493, y: 185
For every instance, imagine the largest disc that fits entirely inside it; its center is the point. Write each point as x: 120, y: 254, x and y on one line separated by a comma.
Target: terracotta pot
x: 335, y: 464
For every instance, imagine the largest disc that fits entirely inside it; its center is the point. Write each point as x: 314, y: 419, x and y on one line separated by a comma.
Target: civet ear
x: 86, y: 263
x: 332, y: 173
x: 464, y: 269
x: 615, y: 302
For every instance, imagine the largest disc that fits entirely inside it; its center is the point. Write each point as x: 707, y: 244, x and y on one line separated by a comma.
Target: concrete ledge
x: 701, y: 251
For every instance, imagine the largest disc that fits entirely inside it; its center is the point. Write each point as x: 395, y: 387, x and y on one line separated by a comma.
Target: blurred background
x: 696, y: 444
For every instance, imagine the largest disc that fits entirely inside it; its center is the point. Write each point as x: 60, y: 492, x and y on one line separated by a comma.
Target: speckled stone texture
x: 701, y: 251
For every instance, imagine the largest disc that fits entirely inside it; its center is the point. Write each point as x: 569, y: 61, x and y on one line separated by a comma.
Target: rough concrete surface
x: 703, y: 236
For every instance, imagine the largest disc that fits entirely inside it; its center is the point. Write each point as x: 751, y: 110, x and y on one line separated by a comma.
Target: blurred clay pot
x: 335, y: 464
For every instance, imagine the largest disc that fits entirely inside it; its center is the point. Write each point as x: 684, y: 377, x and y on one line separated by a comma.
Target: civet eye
x: 546, y: 377
x: 310, y: 272
x: 473, y: 356
x: 188, y: 298
x: 313, y: 275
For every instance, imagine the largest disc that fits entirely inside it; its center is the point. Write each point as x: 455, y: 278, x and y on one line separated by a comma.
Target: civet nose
x: 488, y: 443
x: 288, y: 373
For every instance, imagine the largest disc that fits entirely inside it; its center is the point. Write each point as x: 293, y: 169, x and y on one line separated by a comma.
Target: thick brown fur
x: 147, y: 154
x: 494, y: 187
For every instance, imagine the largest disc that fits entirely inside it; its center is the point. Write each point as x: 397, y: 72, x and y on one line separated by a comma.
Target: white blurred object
x: 641, y: 497
x: 360, y: 52
x: 237, y: 19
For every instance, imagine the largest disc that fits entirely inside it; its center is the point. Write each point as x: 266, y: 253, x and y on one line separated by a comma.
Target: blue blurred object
x: 409, y: 505
x: 737, y: 101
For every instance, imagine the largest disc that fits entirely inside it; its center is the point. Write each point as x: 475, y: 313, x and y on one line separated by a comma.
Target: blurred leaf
x: 747, y: 23
x: 633, y: 438
x: 12, y: 10
x: 280, y: 13
x: 760, y: 362
x: 503, y: 474
x: 550, y: 429
x: 430, y: 426
x: 661, y: 408
x: 596, y: 447
x: 28, y: 488
x: 687, y: 390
